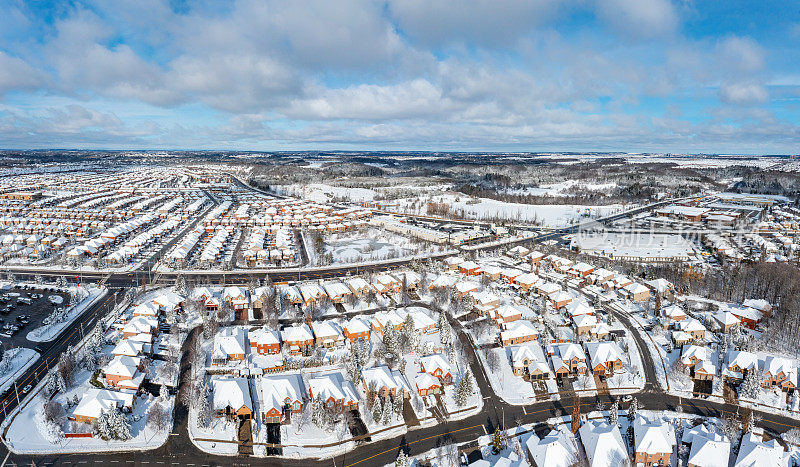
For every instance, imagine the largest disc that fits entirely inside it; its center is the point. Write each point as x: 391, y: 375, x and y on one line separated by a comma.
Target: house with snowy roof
x: 281, y: 396
x: 438, y: 366
x: 327, y: 334
x: 231, y: 397
x: 603, y: 444
x: 124, y: 372
x: 95, y: 401
x: 518, y: 332
x: 230, y: 345
x: 572, y: 355
x: 264, y: 341
x: 299, y: 338
x: 604, y: 357
x: 556, y: 449
x: 739, y: 363
x: 334, y: 391
x: 755, y: 452
x: 356, y: 329
x: 384, y: 381
x: 654, y: 441
x: 779, y: 371
x: 709, y: 452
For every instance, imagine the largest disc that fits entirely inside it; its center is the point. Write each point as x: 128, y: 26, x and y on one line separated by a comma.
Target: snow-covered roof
x: 333, y: 386
x: 123, y: 366
x: 517, y: 329
x: 229, y: 341
x: 603, y: 443
x: 300, y: 333
x: 603, y: 352
x: 278, y: 390
x: 435, y: 361
x: 263, y: 336
x: 231, y: 392
x: 653, y: 436
x: 95, y: 401
x: 709, y: 453
x: 754, y: 452
x: 382, y: 376
x: 554, y: 450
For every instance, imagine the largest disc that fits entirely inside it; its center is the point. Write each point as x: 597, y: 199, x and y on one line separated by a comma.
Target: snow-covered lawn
x: 14, y: 363
x: 219, y: 429
x: 48, y: 332
x: 29, y: 433
x: 510, y: 387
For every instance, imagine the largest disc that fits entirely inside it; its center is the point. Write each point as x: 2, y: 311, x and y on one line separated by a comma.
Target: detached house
x: 438, y: 366
x: 230, y: 344
x: 299, y: 338
x: 281, y: 397
x: 333, y: 391
x: 232, y: 397
x: 264, y: 341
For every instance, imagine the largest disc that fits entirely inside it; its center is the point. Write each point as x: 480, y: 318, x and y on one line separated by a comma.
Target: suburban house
x: 384, y: 381
x: 264, y: 341
x: 281, y: 397
x: 356, y: 330
x: 438, y: 366
x: 299, y: 338
x: 333, y: 391
x: 603, y: 444
x: 327, y: 334
x: 604, y: 357
x: 96, y: 401
x: 427, y: 385
x: 654, y: 441
x: 518, y: 332
x: 124, y: 372
x: 230, y: 344
x: 231, y: 397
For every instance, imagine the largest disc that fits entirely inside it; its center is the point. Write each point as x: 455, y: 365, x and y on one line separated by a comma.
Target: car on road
x: 26, y: 389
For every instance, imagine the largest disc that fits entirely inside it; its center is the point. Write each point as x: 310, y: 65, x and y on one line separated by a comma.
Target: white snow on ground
x: 49, y: 332
x: 219, y: 429
x: 508, y: 386
x: 368, y: 245
x: 14, y: 363
x: 560, y: 188
x: 485, y: 209
x: 29, y: 433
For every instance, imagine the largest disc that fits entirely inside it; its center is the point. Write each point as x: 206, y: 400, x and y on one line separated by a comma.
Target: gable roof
x: 603, y: 443
x: 231, y: 392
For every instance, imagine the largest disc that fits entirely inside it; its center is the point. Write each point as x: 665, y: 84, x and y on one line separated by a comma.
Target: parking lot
x: 13, y: 308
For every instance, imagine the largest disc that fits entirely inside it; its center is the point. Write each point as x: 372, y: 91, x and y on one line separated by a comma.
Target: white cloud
x: 483, y: 22
x: 639, y: 18
x: 16, y: 74
x: 741, y: 53
x: 743, y: 93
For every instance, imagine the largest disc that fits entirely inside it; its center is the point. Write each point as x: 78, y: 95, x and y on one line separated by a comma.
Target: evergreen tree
x: 613, y: 413
x: 497, y: 441
x: 402, y: 460
x: 632, y: 409
x: 389, y: 339
x: 387, y: 412
x: 318, y: 414
x: 163, y: 394
x: 377, y: 411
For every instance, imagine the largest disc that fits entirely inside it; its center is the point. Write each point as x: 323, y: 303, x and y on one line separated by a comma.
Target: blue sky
x: 503, y: 75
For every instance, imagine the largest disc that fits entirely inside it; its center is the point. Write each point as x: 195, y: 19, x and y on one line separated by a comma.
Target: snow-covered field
x: 488, y: 209
x: 371, y: 244
x: 48, y: 332
x: 561, y: 188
